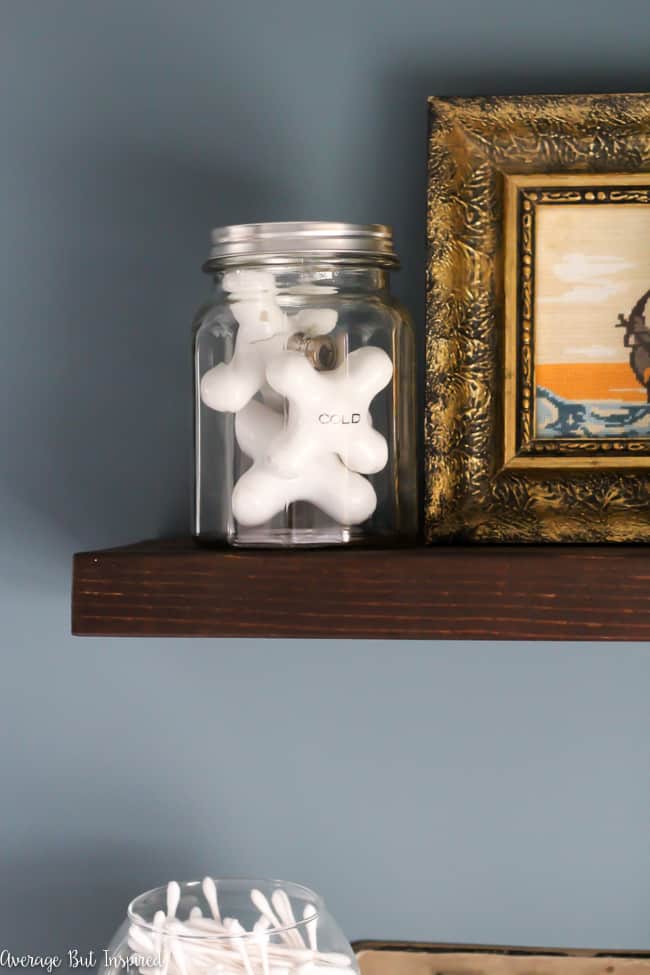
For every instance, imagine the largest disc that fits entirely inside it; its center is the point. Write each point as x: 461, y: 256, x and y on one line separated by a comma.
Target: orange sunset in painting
x: 592, y: 342
x: 586, y: 380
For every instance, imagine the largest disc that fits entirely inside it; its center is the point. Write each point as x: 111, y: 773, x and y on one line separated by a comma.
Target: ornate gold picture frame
x: 538, y: 349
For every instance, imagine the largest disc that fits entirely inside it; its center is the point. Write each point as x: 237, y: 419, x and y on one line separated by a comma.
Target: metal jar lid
x: 277, y: 243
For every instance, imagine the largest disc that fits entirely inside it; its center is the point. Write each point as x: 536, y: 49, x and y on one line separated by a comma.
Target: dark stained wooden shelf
x: 445, y: 592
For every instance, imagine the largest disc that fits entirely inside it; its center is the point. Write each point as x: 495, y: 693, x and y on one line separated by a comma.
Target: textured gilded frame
x: 486, y: 477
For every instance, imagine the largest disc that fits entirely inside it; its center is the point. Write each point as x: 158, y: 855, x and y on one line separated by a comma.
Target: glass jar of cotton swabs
x: 229, y: 927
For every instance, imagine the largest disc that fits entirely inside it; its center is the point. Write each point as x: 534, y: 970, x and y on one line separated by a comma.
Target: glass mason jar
x: 305, y: 390
x: 229, y: 927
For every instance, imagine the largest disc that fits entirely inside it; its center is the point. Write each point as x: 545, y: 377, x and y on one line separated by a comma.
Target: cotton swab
x: 140, y: 939
x: 159, y: 921
x: 179, y: 957
x: 310, y: 915
x: 173, y: 898
x: 282, y: 905
x: 260, y: 934
x: 263, y: 906
x: 207, y: 925
x: 239, y: 934
x: 210, y: 893
x: 164, y: 944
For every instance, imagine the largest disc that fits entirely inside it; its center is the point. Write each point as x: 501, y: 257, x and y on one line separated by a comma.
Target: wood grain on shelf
x: 496, y: 592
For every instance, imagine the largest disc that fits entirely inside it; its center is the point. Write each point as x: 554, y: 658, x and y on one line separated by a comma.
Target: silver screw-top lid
x: 276, y: 243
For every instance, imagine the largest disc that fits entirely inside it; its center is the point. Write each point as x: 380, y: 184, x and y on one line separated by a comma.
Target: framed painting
x: 538, y: 319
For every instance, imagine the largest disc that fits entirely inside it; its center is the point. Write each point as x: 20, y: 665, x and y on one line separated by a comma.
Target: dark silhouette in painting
x: 637, y: 338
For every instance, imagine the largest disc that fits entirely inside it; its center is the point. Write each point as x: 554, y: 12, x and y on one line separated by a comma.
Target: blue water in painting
x: 557, y: 417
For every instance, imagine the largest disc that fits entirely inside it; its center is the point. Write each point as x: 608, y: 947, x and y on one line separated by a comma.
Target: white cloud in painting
x: 575, y: 267
x: 592, y: 293
x: 590, y: 277
x: 596, y: 352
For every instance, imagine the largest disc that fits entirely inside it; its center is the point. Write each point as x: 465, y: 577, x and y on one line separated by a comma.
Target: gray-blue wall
x: 469, y: 792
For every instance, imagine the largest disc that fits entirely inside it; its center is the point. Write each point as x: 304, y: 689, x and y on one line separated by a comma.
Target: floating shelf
x: 445, y: 592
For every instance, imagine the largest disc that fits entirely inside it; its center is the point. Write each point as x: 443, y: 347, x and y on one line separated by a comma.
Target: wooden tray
x: 416, y: 958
